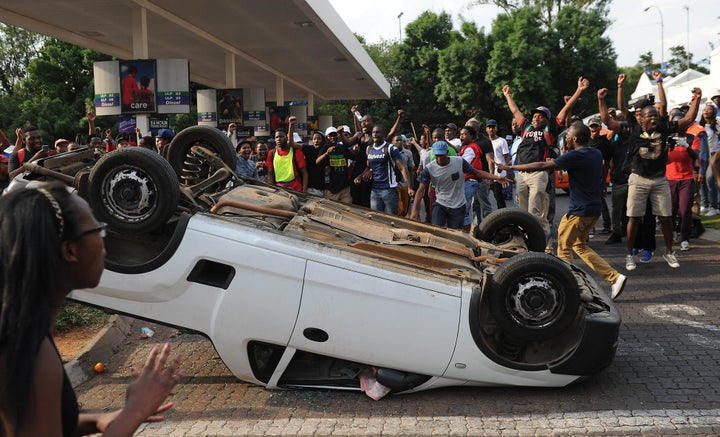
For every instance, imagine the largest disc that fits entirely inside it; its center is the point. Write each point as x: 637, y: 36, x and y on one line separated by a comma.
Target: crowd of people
x: 656, y: 161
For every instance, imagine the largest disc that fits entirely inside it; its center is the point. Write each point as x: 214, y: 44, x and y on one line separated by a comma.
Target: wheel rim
x: 536, y: 302
x: 129, y: 194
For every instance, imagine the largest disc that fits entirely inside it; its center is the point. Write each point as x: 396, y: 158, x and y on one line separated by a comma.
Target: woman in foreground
x: 50, y: 244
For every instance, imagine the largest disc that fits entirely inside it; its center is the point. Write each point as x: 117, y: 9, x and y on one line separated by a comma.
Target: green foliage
x: 17, y: 47
x: 679, y: 60
x: 547, y: 10
x: 72, y: 315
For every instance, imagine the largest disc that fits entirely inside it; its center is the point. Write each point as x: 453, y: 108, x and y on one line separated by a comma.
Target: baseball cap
x: 165, y: 133
x: 296, y: 138
x: 60, y: 141
x: 595, y: 120
x: 440, y: 148
x: 491, y: 122
x: 542, y: 110
x: 451, y: 126
x: 346, y: 128
x: 330, y: 130
x: 3, y: 158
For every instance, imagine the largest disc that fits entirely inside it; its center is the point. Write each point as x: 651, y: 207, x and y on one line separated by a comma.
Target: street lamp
x: 687, y: 27
x: 400, y: 24
x: 662, y: 35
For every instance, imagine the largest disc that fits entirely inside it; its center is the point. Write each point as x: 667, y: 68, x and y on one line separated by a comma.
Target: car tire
x: 133, y: 190
x: 208, y: 137
x: 503, y: 225
x: 534, y: 296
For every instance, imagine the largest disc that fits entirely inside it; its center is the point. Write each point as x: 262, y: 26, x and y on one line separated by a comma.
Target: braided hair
x: 33, y: 224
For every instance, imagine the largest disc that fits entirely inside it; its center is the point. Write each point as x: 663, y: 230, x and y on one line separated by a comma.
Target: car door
x: 377, y: 316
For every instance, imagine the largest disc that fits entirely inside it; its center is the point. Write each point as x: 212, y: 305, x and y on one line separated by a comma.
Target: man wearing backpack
x: 539, y: 138
x: 382, y: 159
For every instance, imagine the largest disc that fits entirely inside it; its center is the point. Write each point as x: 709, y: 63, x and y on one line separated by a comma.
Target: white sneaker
x: 684, y: 246
x: 618, y: 286
x: 703, y: 210
x: 711, y: 212
x: 630, y: 262
x: 676, y: 237
x: 671, y: 260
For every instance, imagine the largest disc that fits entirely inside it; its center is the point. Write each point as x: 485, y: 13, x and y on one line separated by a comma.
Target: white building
x: 678, y: 89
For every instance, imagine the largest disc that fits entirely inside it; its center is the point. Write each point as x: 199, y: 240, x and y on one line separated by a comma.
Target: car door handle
x: 316, y: 334
x: 212, y: 273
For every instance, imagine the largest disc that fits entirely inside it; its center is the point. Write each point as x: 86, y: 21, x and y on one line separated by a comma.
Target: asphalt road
x: 665, y: 379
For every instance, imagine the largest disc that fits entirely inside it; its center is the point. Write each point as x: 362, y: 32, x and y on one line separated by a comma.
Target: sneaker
x: 676, y: 237
x: 684, y: 245
x: 671, y: 260
x: 711, y: 212
x: 618, y: 286
x: 635, y: 251
x: 614, y: 238
x: 646, y: 256
x: 703, y: 210
x: 630, y: 262
x: 592, y: 233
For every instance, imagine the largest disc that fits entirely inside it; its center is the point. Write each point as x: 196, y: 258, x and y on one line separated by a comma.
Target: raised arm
x: 4, y: 140
x: 582, y: 85
x: 291, y: 129
x: 514, y: 109
x: 620, y: 97
x: 610, y: 122
x: 692, y: 113
x: 401, y: 115
x: 91, y: 122
x: 662, y: 101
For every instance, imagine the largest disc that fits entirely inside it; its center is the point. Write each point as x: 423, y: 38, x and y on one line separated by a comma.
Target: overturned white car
x: 299, y: 291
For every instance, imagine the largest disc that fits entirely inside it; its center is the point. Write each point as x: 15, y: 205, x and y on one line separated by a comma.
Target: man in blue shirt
x: 584, y: 167
x: 382, y: 159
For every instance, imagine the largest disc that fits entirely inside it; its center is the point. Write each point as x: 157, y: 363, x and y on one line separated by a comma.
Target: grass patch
x: 711, y: 222
x: 73, y: 315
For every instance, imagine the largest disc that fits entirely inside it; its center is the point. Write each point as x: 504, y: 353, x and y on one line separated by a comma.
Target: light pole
x: 400, y: 24
x: 687, y: 27
x: 662, y: 36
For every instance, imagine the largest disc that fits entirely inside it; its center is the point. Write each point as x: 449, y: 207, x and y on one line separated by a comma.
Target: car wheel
x: 534, y: 296
x: 189, y: 169
x: 133, y: 190
x: 512, y: 229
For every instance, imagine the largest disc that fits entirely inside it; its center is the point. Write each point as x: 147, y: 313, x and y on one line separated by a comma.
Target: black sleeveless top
x: 70, y: 410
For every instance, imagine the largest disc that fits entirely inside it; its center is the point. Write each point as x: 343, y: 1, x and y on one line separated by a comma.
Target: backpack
x: 386, y: 151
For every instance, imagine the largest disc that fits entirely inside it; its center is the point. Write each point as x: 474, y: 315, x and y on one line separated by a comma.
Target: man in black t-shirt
x: 647, y: 156
x: 333, y: 160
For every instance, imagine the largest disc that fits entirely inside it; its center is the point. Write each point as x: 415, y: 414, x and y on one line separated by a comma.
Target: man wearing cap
x: 163, y: 139
x: 61, y: 145
x: 451, y: 136
x: 647, y: 156
x: 333, y: 159
x: 501, y: 155
x: 446, y: 174
x: 539, y: 138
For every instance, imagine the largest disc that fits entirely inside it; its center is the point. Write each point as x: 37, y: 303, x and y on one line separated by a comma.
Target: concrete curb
x: 711, y: 235
x: 103, y: 345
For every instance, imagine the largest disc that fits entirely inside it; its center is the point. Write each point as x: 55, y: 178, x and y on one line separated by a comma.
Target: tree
x: 17, y: 47
x: 681, y: 60
x: 548, y: 10
x: 462, y: 67
x: 542, y: 66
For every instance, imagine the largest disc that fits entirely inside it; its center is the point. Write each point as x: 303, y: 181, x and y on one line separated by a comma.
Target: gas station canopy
x: 294, y: 49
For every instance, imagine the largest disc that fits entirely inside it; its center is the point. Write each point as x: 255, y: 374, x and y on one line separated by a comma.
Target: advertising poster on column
x: 137, y: 85
x: 173, y: 86
x: 229, y: 107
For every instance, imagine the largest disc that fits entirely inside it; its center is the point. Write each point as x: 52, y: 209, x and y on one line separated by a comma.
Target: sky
x: 378, y: 19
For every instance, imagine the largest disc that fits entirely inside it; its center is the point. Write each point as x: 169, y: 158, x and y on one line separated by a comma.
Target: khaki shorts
x: 640, y: 189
